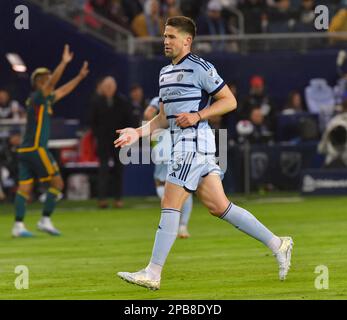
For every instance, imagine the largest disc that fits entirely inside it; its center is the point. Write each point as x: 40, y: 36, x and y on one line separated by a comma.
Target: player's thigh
x: 174, y: 196
x: 211, y: 193
x: 26, y: 174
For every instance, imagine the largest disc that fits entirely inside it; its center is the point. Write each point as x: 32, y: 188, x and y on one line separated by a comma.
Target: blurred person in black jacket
x: 109, y: 112
x: 138, y: 102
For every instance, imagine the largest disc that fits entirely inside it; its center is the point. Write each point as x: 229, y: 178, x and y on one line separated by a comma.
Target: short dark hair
x: 182, y: 23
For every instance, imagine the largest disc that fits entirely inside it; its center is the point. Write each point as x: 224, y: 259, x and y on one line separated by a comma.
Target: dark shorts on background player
x: 38, y: 164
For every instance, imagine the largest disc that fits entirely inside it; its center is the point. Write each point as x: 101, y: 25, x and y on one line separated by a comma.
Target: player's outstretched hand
x: 127, y: 137
x: 184, y: 120
x: 84, y: 70
x: 67, y: 54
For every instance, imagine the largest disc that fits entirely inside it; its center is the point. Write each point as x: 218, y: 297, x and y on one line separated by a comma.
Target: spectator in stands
x: 116, y: 14
x: 259, y: 98
x: 149, y: 23
x: 212, y: 23
x: 132, y: 8
x: 341, y: 83
x: 294, y: 103
x: 170, y: 8
x: 282, y: 18
x: 306, y: 16
x: 110, y: 9
x: 10, y: 109
x: 8, y: 165
x: 138, y: 102
x: 191, y: 8
x: 261, y: 132
x: 100, y: 7
x: 254, y: 12
x: 109, y: 111
x: 339, y: 24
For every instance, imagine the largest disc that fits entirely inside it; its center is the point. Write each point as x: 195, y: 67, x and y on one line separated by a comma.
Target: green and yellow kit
x: 35, y: 160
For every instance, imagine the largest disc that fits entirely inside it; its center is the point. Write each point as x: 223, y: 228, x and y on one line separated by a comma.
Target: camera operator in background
x: 334, y: 140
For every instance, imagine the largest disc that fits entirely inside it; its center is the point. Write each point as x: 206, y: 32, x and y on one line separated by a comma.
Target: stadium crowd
x: 145, y: 18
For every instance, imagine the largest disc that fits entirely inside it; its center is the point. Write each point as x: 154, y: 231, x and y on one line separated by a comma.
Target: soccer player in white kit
x: 186, y: 87
x: 161, y: 153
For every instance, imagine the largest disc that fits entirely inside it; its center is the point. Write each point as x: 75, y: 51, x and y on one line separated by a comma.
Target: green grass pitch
x: 217, y: 262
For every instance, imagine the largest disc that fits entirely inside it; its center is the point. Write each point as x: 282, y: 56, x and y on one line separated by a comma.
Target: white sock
x: 246, y: 222
x: 45, y: 219
x: 19, y: 224
x: 154, y: 270
x: 160, y: 191
x: 274, y: 244
x: 165, y: 236
x: 186, y: 210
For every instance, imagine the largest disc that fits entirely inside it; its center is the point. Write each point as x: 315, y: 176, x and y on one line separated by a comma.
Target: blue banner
x: 324, y: 182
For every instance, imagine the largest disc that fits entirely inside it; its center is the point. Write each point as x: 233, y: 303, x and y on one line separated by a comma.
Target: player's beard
x: 169, y: 54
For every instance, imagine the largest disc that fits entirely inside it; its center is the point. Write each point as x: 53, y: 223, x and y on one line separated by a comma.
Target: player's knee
x: 57, y: 183
x: 169, y: 202
x: 216, y: 209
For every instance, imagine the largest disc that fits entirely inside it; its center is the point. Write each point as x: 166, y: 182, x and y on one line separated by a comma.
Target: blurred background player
x: 162, y: 152
x: 193, y: 166
x: 35, y: 160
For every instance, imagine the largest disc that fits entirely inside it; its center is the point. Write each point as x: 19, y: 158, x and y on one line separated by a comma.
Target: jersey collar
x: 184, y: 58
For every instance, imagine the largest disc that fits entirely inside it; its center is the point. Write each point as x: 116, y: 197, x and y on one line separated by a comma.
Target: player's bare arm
x: 129, y: 136
x: 67, y: 88
x: 149, y: 113
x: 58, y: 72
x: 224, y: 102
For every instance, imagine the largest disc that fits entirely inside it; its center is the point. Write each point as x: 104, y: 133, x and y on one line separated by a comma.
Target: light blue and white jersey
x: 188, y: 87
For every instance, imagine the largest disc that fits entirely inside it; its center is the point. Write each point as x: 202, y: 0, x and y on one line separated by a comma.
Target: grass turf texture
x: 218, y: 262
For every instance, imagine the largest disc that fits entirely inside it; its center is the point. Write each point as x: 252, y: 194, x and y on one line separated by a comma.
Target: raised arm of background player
x: 58, y: 72
x: 65, y: 89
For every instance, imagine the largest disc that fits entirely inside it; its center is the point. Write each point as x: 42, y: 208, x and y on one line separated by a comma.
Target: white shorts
x: 186, y: 169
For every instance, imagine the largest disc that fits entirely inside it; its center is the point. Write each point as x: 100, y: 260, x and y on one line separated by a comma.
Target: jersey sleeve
x: 209, y: 80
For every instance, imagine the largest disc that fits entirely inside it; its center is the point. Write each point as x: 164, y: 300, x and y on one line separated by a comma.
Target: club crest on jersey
x: 180, y: 77
x: 177, y: 165
x: 211, y: 73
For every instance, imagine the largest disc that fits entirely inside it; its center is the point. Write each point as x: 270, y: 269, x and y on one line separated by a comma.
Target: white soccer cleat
x: 283, y: 256
x: 20, y: 231
x: 46, y: 225
x: 183, y: 232
x: 141, y: 278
